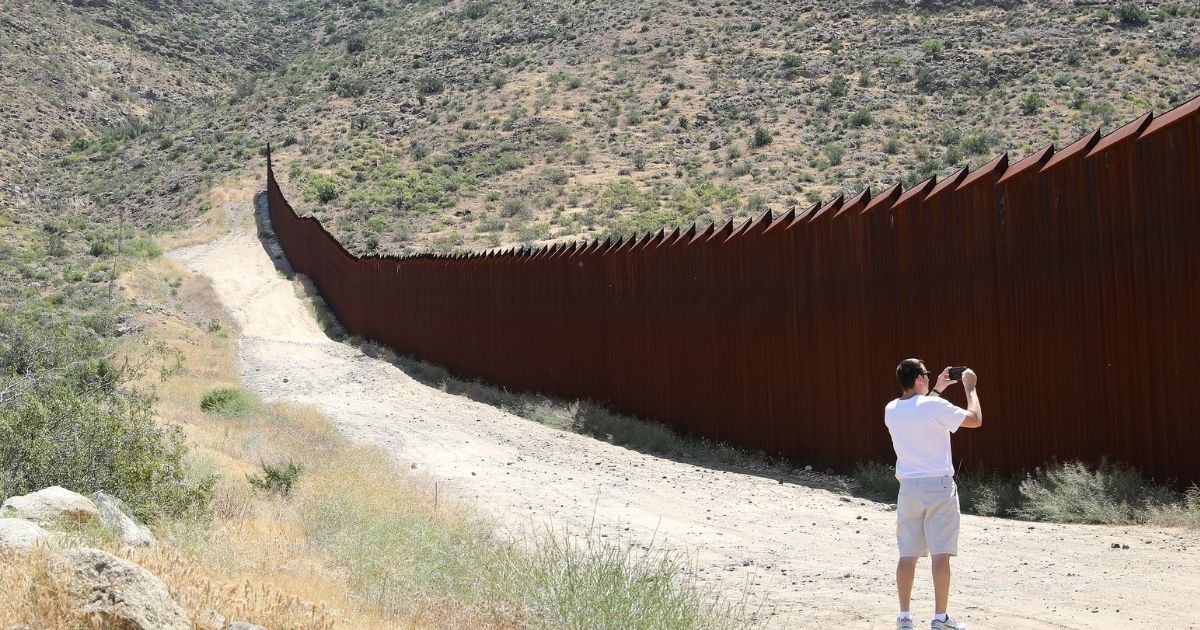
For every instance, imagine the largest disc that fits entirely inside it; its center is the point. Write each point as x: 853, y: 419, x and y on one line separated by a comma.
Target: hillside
x: 484, y: 124
x: 467, y: 125
x: 131, y: 127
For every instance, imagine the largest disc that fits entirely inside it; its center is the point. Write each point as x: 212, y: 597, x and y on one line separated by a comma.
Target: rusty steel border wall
x: 1070, y: 281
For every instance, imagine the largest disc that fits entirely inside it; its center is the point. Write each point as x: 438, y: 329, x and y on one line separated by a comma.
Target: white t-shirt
x: 921, y: 428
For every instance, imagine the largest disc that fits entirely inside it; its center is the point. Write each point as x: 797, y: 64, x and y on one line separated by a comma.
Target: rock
x: 245, y: 625
x: 49, y: 506
x: 115, y: 513
x: 210, y: 620
x: 121, y: 593
x: 20, y: 535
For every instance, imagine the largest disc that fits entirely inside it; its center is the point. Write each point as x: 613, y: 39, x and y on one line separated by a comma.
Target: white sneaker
x: 949, y: 624
x: 904, y: 624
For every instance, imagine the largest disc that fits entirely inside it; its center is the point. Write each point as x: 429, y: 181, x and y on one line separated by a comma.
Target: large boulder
x: 49, y: 506
x: 121, y: 593
x: 17, y: 534
x: 116, y: 514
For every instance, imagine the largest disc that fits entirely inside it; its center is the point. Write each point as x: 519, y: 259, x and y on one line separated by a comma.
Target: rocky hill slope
x: 480, y: 124
x: 466, y: 125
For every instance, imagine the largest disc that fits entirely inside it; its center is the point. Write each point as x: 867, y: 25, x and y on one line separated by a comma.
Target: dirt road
x: 807, y: 557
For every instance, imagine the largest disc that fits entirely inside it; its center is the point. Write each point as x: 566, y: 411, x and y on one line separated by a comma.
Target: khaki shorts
x: 927, y: 517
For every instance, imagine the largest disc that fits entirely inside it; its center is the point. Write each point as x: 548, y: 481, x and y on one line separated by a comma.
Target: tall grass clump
x: 1074, y: 493
x: 875, y: 480
x: 227, y: 401
x: 1071, y: 492
x: 403, y: 555
x: 583, y: 582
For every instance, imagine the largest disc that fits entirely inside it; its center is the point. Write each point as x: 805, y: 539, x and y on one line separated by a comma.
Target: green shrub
x: 975, y: 143
x: 762, y: 138
x: 1058, y: 493
x: 349, y: 87
x: 834, y: 153
x: 144, y: 248
x: 876, y: 480
x: 475, y: 10
x: 356, y: 44
x: 838, y: 86
x: 69, y: 417
x: 100, y: 248
x: 227, y: 401
x: 988, y: 494
x: 1173, y: 9
x: 429, y: 84
x: 861, y: 118
x: 624, y: 193
x: 926, y: 80
x: 322, y: 188
x: 556, y: 176
x: 1133, y: 15
x: 1074, y: 493
x: 557, y: 133
x: 1032, y: 103
x: 933, y: 46
x: 277, y: 479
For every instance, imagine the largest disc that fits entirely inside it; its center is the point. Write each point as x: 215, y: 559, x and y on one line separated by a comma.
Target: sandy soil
x: 804, y: 556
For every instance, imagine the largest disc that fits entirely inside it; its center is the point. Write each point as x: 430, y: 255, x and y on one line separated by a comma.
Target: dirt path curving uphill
x: 808, y: 557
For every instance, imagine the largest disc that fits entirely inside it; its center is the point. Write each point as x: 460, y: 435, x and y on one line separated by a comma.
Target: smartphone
x: 957, y: 372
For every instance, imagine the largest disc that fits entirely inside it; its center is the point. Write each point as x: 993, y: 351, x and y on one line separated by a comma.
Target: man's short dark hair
x: 908, y: 371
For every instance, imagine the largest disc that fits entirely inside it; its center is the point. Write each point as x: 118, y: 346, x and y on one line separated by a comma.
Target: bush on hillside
x: 1032, y: 103
x: 277, y: 478
x: 69, y: 417
x: 322, y: 188
x: 356, y: 44
x: 762, y: 137
x: 430, y: 84
x: 227, y: 401
x: 1133, y: 15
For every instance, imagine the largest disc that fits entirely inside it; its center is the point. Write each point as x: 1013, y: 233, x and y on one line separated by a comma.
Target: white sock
x: 941, y: 617
x: 904, y: 614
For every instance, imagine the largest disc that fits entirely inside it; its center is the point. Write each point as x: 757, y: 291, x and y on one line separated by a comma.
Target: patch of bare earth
x: 803, y: 556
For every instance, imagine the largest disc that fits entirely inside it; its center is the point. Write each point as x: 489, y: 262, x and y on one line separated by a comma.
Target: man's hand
x: 969, y: 379
x: 943, y: 380
x: 976, y: 420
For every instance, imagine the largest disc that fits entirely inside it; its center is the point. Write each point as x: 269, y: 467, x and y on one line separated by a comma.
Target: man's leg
x: 906, y: 570
x: 941, y: 582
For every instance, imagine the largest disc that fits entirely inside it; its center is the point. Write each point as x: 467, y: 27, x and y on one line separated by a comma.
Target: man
x: 927, y: 512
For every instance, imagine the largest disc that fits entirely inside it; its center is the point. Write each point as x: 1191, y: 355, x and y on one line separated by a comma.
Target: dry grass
x: 358, y: 543
x: 214, y: 221
x: 34, y: 594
